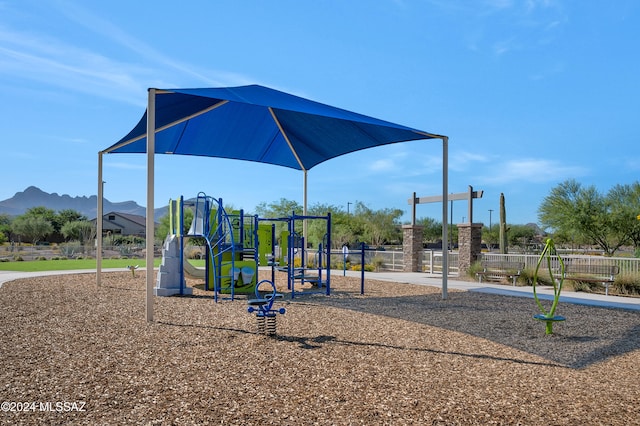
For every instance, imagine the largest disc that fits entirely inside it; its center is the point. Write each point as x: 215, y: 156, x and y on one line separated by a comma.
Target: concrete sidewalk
x: 580, y: 298
x: 421, y: 278
x: 6, y: 276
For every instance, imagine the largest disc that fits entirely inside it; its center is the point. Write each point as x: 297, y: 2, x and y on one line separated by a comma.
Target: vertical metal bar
x: 470, y: 206
x: 304, y: 208
x: 180, y: 208
x: 150, y: 222
x: 445, y: 191
x: 273, y: 253
x: 99, y: 215
x: 328, y: 248
x: 362, y: 270
x: 413, y: 209
x: 290, y: 257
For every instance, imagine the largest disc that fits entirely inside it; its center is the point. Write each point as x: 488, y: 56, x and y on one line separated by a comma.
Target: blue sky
x: 530, y: 93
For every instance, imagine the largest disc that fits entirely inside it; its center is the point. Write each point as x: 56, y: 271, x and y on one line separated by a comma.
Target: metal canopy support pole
x: 445, y: 192
x: 99, y: 214
x: 150, y: 223
x: 304, y: 207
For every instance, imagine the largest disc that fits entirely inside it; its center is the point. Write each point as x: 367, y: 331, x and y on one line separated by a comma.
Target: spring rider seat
x: 262, y: 305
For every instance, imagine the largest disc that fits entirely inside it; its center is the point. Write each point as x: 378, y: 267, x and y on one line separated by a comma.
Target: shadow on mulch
x: 589, y: 335
x: 319, y: 341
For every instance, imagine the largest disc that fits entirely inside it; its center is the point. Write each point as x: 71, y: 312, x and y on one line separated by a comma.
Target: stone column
x: 412, y: 247
x: 469, y: 245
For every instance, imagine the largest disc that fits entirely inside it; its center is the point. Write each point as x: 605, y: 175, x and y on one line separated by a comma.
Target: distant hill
x: 35, y: 197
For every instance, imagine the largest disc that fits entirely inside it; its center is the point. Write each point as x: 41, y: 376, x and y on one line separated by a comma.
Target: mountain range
x: 35, y: 197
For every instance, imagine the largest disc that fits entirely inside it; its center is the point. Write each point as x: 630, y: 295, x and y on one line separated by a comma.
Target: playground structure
x: 231, y: 258
x: 236, y: 244
x: 316, y: 273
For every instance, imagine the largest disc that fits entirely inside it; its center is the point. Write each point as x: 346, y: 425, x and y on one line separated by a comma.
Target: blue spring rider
x: 262, y: 305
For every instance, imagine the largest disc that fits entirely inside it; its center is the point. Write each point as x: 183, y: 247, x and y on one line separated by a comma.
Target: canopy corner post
x: 304, y: 207
x: 99, y: 215
x: 445, y: 192
x: 149, y: 213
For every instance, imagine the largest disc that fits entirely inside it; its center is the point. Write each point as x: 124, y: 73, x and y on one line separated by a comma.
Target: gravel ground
x: 397, y: 355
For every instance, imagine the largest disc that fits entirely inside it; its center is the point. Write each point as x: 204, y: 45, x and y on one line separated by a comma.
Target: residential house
x: 115, y: 223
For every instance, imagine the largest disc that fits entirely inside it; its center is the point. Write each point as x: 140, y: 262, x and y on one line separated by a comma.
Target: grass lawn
x: 70, y: 264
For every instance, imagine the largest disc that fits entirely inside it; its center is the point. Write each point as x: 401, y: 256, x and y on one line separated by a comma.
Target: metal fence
x: 432, y: 260
x: 626, y: 265
x: 69, y: 251
x: 389, y: 260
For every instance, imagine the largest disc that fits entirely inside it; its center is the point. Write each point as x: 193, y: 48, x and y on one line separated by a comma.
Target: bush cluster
x: 627, y: 284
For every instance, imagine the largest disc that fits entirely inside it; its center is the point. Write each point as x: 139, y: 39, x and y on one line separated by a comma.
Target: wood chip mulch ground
x: 73, y: 353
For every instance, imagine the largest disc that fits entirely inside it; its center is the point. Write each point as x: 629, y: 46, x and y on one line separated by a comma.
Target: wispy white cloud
x: 55, y: 62
x: 531, y: 170
x: 98, y: 25
x: 125, y: 166
x: 530, y: 23
x: 464, y: 160
x: 382, y: 165
x: 71, y: 140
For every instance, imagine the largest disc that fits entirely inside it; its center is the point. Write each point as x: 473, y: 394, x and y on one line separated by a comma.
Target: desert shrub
x: 527, y: 275
x: 627, y: 284
x: 367, y: 267
x: 70, y: 249
x: 119, y: 240
x: 474, y: 269
x: 377, y: 263
x: 340, y: 265
x: 585, y: 286
x: 312, y: 262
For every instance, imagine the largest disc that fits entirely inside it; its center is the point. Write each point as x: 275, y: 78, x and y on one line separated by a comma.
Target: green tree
x: 162, y: 230
x: 379, y: 226
x: 625, y: 208
x: 432, y: 229
x: 83, y: 231
x: 5, y: 227
x: 32, y: 228
x: 66, y: 216
x: 521, y: 236
x: 491, y: 235
x: 317, y: 228
x: 342, y: 231
x: 47, y: 214
x: 583, y: 213
x: 280, y: 209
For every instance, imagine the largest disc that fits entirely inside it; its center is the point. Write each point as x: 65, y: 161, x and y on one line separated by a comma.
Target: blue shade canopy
x: 256, y: 123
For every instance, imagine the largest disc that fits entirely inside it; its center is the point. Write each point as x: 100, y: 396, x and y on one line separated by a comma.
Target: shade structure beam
x: 168, y: 126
